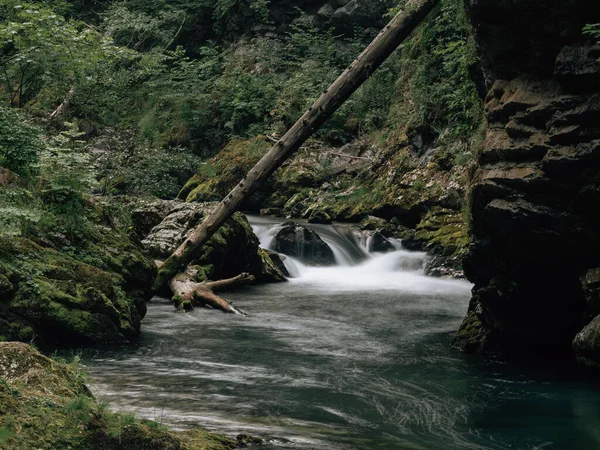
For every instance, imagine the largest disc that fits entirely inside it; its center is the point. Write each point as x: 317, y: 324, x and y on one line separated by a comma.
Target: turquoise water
x: 358, y: 370
x: 348, y: 357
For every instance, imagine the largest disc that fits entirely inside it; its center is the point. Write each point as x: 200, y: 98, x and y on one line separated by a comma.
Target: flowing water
x: 354, y: 356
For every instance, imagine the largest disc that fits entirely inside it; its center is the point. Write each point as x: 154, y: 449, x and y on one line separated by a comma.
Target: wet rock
x: 440, y: 266
x: 302, y: 243
x: 379, y: 243
x: 277, y: 260
x: 319, y: 216
x: 590, y: 283
x: 372, y: 223
x: 587, y: 345
x: 245, y: 441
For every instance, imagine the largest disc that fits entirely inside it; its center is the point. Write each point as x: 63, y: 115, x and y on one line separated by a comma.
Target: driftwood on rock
x: 353, y: 77
x: 192, y: 293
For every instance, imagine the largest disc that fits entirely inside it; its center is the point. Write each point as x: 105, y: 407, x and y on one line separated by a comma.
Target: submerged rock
x: 302, y: 243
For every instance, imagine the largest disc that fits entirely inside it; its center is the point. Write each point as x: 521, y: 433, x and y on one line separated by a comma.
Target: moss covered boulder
x: 58, y: 300
x: 46, y: 405
x: 232, y: 250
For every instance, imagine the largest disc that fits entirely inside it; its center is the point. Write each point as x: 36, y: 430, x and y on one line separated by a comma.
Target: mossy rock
x: 222, y: 173
x: 444, y: 232
x: 234, y: 249
x: 46, y: 404
x: 66, y: 302
x: 319, y: 216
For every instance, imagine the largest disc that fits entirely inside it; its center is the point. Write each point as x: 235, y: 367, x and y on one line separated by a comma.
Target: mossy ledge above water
x: 46, y: 405
x: 58, y: 300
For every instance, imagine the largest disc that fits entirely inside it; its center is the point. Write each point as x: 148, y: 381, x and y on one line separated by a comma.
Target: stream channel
x: 355, y: 356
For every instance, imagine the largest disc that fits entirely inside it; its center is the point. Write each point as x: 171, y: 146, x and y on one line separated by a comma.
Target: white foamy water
x: 357, y: 268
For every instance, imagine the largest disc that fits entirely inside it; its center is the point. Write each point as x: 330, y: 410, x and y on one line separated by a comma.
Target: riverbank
x: 46, y: 404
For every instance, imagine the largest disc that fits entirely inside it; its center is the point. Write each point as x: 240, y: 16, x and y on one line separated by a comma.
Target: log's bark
x: 202, y: 294
x: 354, y: 76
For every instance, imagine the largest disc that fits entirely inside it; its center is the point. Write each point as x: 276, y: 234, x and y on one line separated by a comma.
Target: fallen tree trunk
x: 353, y: 77
x: 188, y: 293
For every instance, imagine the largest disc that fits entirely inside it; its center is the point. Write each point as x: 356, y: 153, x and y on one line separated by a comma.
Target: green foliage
x: 66, y: 163
x: 592, y: 30
x: 142, y: 31
x: 441, y: 101
x: 43, y: 51
x: 20, y: 143
x: 130, y: 167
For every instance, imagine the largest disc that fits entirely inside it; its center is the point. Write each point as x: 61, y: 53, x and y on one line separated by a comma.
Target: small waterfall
x: 351, y: 250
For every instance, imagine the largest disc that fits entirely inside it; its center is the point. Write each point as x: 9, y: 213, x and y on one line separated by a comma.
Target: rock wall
x: 535, y: 194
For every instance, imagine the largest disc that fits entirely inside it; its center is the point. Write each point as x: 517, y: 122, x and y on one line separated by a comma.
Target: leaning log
x: 190, y: 293
x: 353, y: 77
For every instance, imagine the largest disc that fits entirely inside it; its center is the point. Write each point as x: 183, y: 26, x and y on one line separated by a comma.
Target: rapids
x: 354, y: 356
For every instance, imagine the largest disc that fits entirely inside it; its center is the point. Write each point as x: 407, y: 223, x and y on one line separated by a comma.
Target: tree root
x: 189, y: 293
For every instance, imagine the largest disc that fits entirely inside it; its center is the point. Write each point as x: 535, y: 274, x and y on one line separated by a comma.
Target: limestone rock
x: 234, y: 249
x: 177, y: 221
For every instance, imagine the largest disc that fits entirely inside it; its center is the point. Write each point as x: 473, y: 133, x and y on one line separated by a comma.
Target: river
x: 354, y: 356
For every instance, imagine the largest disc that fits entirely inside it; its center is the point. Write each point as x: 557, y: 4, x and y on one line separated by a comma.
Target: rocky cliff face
x: 535, y: 244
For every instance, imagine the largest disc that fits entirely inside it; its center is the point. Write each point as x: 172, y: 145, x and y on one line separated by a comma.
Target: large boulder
x: 172, y: 222
x: 303, y: 243
x: 232, y: 250
x: 587, y: 345
x: 55, y: 299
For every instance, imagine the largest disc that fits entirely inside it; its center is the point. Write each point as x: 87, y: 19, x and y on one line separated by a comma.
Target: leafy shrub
x: 20, y: 143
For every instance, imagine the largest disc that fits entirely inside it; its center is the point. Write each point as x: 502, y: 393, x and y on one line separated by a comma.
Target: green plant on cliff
x: 437, y: 94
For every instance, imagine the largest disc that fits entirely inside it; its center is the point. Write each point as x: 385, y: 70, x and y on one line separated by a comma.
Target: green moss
x: 65, y: 301
x: 221, y: 174
x: 46, y: 404
x: 204, y: 440
x: 444, y: 232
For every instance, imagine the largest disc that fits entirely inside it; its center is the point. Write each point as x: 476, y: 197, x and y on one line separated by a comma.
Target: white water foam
x: 357, y: 269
